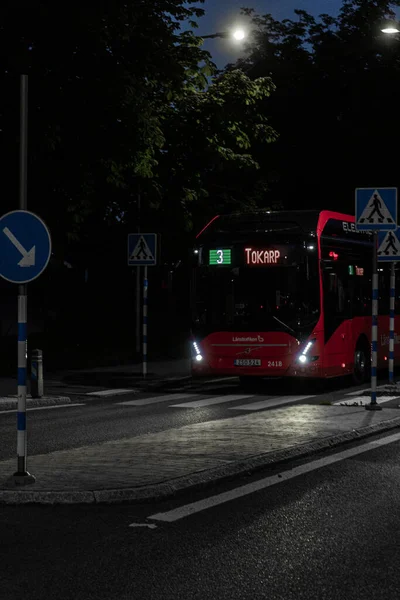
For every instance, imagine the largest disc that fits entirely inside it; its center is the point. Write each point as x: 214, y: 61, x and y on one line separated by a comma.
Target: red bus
x: 286, y: 294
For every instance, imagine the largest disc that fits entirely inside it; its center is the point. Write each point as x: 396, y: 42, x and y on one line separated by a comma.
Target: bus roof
x: 251, y: 222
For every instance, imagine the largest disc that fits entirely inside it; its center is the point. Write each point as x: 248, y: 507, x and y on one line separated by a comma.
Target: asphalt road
x: 107, y: 419
x: 329, y: 534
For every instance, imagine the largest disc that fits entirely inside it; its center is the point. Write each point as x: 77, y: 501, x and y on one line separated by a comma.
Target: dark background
x: 117, y: 119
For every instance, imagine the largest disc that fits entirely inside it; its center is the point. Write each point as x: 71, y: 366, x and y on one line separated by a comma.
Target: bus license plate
x: 247, y: 362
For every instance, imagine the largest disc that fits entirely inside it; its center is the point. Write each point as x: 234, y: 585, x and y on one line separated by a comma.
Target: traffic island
x: 11, y: 402
x: 160, y: 465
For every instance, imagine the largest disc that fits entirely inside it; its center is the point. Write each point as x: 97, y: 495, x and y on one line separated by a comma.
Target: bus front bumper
x: 289, y: 368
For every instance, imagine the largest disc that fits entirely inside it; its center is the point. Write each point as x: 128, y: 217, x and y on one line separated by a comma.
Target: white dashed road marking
x: 102, y: 393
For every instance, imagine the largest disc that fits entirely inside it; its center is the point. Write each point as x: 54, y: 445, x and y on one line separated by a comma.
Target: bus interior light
x: 199, y: 357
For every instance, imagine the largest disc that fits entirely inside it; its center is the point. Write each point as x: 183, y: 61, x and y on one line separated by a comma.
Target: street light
x: 238, y: 35
x: 390, y: 28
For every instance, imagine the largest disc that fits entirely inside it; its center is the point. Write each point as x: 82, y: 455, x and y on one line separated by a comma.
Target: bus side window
x: 337, y: 299
x: 363, y: 291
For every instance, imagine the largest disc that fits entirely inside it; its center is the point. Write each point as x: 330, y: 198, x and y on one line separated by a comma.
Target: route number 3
x: 220, y: 258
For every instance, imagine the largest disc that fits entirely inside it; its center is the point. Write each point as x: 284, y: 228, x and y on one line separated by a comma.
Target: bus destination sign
x: 262, y: 257
x: 254, y: 256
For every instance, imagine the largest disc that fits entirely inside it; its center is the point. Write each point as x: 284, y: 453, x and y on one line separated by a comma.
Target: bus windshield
x: 257, y: 299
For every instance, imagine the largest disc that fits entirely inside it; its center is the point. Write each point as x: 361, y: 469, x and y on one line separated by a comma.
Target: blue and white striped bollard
x: 374, y: 364
x: 22, y: 477
x: 145, y: 295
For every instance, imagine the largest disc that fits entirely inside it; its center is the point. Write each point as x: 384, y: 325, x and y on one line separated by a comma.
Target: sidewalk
x: 158, y: 465
x: 9, y: 401
x: 60, y: 385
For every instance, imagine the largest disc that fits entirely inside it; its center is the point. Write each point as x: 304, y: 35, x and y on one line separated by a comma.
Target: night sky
x: 222, y: 14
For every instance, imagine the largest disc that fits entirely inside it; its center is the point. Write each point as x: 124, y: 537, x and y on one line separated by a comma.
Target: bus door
x: 338, y: 334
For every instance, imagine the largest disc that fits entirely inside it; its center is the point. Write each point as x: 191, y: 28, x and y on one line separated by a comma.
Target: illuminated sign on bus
x: 262, y: 257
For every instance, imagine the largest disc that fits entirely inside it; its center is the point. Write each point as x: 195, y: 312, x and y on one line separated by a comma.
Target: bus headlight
x: 197, y: 353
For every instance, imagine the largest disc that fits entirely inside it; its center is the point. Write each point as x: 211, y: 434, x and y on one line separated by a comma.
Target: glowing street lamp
x: 237, y: 34
x: 390, y: 28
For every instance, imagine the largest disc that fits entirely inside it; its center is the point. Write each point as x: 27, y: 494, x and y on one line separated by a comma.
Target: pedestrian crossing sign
x: 142, y: 249
x: 376, y: 209
x: 389, y: 246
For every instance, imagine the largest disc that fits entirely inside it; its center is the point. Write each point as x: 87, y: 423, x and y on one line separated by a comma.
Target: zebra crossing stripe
x: 158, y: 399
x: 212, y: 401
x: 271, y: 403
x: 115, y: 392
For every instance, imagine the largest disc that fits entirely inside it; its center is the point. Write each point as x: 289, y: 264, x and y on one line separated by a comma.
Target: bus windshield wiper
x: 284, y: 324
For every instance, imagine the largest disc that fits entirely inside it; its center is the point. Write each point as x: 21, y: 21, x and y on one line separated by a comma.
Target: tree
x: 100, y: 76
x: 206, y: 164
x: 338, y: 87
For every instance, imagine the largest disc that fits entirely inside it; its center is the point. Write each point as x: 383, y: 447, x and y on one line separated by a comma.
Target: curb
x: 12, y: 404
x: 194, y: 481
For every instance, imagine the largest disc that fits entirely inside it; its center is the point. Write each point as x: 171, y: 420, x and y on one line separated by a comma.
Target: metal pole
x: 391, y: 323
x: 374, y: 333
x: 145, y: 292
x: 22, y: 477
x: 138, y: 284
x: 138, y: 289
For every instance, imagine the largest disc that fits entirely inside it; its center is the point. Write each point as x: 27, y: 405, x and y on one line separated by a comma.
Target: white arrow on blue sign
x: 376, y: 209
x: 25, y: 246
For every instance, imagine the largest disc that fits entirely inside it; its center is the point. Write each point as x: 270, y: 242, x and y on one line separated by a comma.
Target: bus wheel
x: 361, y: 363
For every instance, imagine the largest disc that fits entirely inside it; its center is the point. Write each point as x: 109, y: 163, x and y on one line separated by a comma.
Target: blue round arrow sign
x: 25, y: 246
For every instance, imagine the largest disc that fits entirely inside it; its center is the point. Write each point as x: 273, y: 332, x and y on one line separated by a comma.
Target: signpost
x: 389, y: 251
x: 25, y: 248
x: 142, y: 251
x: 376, y: 211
